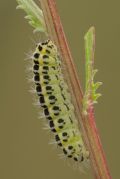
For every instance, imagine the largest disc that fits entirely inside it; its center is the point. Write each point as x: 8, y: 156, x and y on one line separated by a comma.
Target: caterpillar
x: 55, y: 99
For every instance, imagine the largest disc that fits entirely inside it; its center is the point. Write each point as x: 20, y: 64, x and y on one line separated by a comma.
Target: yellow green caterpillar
x: 54, y: 98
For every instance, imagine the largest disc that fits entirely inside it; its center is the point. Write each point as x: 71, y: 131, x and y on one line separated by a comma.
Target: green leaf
x: 34, y: 14
x: 96, y: 85
x: 90, y: 96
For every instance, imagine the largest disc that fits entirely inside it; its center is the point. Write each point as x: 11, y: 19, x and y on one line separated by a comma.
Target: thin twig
x: 90, y: 132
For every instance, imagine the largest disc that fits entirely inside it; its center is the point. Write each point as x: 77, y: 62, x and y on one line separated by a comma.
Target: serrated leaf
x: 96, y: 85
x: 34, y: 14
x: 90, y: 96
x: 96, y: 96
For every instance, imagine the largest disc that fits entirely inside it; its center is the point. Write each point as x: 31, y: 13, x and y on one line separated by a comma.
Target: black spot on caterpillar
x: 36, y: 55
x: 55, y: 100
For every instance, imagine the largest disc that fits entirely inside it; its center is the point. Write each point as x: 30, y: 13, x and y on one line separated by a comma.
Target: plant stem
x: 87, y: 122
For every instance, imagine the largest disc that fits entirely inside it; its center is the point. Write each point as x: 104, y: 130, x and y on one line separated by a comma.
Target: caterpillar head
x: 47, y: 47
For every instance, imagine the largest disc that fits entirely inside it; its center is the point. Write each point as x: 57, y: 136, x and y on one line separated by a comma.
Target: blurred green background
x: 24, y: 149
